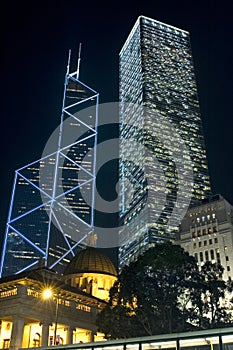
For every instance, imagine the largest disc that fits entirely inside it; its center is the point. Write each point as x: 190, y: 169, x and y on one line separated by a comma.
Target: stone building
x: 67, y: 315
x: 206, y: 232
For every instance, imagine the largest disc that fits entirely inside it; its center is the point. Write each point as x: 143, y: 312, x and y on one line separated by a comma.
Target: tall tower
x: 51, y: 212
x: 163, y: 165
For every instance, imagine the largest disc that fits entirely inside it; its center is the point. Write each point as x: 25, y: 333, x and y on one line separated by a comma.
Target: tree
x: 163, y: 292
x: 146, y: 299
x: 214, y: 293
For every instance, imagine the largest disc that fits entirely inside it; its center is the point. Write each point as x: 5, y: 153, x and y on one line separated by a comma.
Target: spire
x: 79, y: 59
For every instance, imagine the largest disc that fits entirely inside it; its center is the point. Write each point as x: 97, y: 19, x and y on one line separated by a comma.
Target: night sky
x: 36, y: 37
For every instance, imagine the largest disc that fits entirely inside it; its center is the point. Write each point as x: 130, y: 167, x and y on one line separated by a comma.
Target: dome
x: 90, y: 260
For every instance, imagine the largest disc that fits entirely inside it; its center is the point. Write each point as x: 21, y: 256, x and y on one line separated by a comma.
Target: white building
x: 206, y: 232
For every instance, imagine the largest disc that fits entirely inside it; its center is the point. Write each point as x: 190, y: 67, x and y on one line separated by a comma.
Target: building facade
x: 206, y: 232
x: 32, y: 317
x: 163, y: 163
x: 49, y: 216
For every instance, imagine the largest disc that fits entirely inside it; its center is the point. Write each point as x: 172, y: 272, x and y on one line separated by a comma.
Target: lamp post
x: 48, y: 294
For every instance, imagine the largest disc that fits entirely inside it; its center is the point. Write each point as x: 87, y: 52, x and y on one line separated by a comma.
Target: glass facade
x: 51, y: 213
x: 163, y: 165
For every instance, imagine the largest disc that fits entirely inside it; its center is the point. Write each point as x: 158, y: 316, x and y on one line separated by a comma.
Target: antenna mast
x: 79, y: 59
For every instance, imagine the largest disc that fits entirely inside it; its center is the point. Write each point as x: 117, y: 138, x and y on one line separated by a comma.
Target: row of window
x: 204, y: 231
x: 205, y: 242
x: 208, y: 255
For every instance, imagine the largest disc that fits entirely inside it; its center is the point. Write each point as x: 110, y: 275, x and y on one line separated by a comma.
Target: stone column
x: 17, y: 333
x: 45, y: 333
x: 69, y: 335
x: 92, y: 336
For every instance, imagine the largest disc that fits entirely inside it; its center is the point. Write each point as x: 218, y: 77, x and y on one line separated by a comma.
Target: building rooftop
x: 90, y: 260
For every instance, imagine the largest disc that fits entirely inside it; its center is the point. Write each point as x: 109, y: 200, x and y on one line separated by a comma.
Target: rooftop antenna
x: 79, y: 59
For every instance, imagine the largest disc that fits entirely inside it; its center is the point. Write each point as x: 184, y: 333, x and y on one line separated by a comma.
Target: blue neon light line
x: 38, y: 188
x: 65, y: 238
x: 80, y: 102
x: 80, y: 121
x: 36, y: 161
x: 77, y: 165
x: 78, y: 81
x: 57, y: 155
x: 27, y: 267
x: 27, y: 239
x: 94, y: 163
x: 8, y: 219
x: 74, y: 215
x: 77, y: 142
x: 74, y: 246
x: 135, y: 180
x: 28, y: 212
x: 72, y: 189
x: 123, y: 188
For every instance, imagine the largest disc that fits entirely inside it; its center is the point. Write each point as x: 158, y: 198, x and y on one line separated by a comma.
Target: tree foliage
x: 163, y: 292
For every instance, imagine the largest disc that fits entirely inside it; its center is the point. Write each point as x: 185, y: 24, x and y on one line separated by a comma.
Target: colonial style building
x: 41, y: 308
x: 206, y: 232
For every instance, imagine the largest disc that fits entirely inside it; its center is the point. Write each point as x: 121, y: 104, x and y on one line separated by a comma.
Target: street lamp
x: 48, y: 294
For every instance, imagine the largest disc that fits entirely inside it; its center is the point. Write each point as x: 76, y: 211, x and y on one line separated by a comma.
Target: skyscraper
x: 51, y: 213
x: 163, y: 165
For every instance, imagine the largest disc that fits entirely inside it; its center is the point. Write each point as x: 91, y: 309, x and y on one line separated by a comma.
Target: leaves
x: 163, y: 292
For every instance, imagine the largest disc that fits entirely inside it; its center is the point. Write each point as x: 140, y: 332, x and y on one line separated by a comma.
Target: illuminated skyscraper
x: 51, y: 213
x: 164, y: 169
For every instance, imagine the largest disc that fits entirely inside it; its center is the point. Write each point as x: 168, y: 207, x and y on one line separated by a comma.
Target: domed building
x: 92, y: 272
x: 29, y: 318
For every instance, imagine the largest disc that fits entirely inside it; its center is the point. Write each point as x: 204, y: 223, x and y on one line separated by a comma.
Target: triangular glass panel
x: 19, y: 253
x: 85, y: 112
x: 73, y: 130
x: 46, y: 175
x: 34, y: 226
x: 26, y: 198
x: 76, y: 91
x: 40, y: 174
x: 70, y: 173
x: 73, y: 227
x: 59, y: 245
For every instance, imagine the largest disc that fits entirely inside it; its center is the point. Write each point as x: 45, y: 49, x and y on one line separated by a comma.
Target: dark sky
x: 35, y: 38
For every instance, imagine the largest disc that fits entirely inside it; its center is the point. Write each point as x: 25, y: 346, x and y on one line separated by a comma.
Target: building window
x: 212, y: 254
x: 228, y: 268
x: 204, y: 231
x: 210, y: 241
x: 206, y: 256
x: 201, y: 256
x: 216, y: 240
x: 196, y: 256
x: 194, y: 245
x: 227, y: 258
x: 205, y: 243
x: 199, y: 244
x: 209, y: 230
x: 218, y: 256
x: 214, y: 229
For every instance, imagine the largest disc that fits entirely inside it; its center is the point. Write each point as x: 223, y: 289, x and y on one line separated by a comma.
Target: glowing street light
x: 48, y: 293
